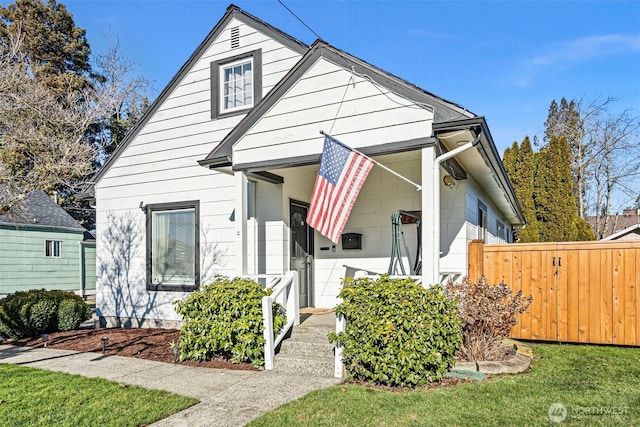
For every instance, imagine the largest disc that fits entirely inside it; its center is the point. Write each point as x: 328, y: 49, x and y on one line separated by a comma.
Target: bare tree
x: 129, y: 96
x: 42, y: 134
x: 53, y: 140
x: 615, y: 165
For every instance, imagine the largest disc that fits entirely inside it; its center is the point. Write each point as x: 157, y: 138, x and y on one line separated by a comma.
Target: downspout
x: 436, y: 202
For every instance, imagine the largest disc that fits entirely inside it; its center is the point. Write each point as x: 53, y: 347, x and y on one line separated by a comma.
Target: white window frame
x: 501, y: 231
x: 52, y: 248
x: 483, y: 221
x: 217, y: 83
x: 221, y: 85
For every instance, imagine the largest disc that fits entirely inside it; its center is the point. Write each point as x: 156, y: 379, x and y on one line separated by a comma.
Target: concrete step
x: 295, y: 348
x: 304, y: 365
x: 319, y: 335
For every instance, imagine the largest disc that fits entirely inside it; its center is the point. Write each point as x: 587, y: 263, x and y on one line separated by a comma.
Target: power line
x: 298, y: 18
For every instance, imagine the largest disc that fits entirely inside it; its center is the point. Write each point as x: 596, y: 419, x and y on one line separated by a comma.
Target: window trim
x: 54, y: 244
x: 216, y: 89
x: 149, y: 210
x: 501, y: 231
x: 482, y: 228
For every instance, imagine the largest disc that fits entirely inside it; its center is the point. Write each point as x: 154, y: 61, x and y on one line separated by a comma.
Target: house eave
x: 487, y: 150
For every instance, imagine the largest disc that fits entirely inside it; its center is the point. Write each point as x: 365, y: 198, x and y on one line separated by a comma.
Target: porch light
x: 45, y: 338
x: 449, y: 181
x: 104, y: 341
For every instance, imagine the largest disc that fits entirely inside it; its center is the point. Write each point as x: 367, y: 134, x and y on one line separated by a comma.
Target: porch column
x: 241, y: 222
x: 430, y: 218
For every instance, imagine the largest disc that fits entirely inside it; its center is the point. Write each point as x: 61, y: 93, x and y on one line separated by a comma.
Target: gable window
x: 173, y: 246
x: 482, y: 221
x: 236, y: 84
x: 52, y: 248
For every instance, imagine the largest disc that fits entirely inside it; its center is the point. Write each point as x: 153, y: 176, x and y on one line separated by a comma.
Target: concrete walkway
x: 228, y: 397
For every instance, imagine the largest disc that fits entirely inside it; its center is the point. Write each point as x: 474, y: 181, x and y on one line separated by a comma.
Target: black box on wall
x: 352, y: 241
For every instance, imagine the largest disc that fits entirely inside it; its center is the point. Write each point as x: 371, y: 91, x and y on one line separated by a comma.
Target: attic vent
x: 235, y: 37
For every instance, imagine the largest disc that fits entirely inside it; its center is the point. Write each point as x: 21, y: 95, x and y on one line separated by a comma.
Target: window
x: 173, y: 246
x: 501, y: 232
x: 236, y: 81
x: 236, y: 84
x: 52, y: 248
x: 482, y: 221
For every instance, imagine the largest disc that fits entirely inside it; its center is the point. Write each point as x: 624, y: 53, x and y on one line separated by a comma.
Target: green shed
x: 43, y: 247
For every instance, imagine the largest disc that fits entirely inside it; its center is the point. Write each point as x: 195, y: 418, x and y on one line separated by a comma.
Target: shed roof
x: 37, y: 209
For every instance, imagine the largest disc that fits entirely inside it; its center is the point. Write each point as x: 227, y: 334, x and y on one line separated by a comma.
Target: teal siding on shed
x: 24, y: 266
x: 89, y: 280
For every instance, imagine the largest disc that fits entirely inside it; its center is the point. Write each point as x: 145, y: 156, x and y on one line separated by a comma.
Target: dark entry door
x: 302, y: 250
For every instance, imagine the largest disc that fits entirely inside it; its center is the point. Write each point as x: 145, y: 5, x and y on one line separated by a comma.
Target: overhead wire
x: 299, y: 19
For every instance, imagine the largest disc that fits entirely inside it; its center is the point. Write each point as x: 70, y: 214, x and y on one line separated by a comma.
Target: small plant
x: 38, y: 311
x: 225, y: 319
x: 398, y: 333
x: 488, y: 312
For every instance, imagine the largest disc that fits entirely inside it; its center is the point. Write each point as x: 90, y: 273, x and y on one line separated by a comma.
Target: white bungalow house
x: 218, y: 175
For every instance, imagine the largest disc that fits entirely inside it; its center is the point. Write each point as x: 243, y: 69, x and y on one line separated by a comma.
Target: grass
x: 34, y: 397
x: 597, y: 385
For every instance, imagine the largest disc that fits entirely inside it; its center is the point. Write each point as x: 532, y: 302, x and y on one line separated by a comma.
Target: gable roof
x: 443, y: 110
x: 616, y: 224
x: 233, y: 11
x: 40, y: 211
x: 632, y: 229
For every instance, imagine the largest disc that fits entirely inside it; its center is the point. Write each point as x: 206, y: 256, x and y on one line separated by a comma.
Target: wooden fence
x: 582, y: 292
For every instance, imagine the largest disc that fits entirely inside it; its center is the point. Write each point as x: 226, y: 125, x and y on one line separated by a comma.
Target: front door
x: 302, y: 250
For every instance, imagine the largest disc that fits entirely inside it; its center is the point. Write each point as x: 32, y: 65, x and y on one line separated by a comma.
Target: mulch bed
x: 142, y: 343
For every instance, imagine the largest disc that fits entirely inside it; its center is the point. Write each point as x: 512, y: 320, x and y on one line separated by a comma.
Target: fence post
x: 476, y: 260
x: 267, y: 320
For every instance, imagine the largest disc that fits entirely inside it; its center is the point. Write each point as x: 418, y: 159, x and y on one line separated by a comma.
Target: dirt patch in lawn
x: 142, y: 343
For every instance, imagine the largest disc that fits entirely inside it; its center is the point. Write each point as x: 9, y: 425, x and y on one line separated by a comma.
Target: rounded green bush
x: 31, y: 313
x: 225, y: 319
x: 398, y: 333
x: 71, y: 313
x: 43, y: 314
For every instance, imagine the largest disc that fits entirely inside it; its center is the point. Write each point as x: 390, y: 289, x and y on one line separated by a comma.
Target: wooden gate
x: 583, y: 292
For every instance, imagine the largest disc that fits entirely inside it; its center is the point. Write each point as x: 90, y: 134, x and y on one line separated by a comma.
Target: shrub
x: 488, y: 312
x: 72, y: 312
x: 225, y: 319
x: 31, y: 313
x: 397, y: 332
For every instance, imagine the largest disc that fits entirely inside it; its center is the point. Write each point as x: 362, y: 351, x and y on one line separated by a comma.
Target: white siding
x: 160, y: 166
x: 381, y: 195
x: 368, y: 116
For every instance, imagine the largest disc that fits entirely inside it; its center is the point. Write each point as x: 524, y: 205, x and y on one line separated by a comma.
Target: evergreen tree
x: 553, y: 193
x: 565, y: 120
x: 509, y: 159
x: 56, y: 49
x: 525, y: 167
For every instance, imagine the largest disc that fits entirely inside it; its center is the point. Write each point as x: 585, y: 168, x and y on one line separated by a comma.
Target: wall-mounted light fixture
x: 142, y: 207
x: 449, y: 181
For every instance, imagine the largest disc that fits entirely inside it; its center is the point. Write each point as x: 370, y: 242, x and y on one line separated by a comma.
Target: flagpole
x: 418, y: 186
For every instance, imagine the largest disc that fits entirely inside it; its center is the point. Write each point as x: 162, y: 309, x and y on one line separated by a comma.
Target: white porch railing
x: 285, y: 292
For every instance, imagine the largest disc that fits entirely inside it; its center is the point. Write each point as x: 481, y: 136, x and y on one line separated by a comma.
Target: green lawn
x: 34, y: 397
x: 597, y: 386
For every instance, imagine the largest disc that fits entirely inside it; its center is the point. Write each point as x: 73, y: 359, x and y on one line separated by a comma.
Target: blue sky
x: 503, y: 60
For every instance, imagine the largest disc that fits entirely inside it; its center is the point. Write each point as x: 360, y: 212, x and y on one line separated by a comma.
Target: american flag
x: 341, y: 176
